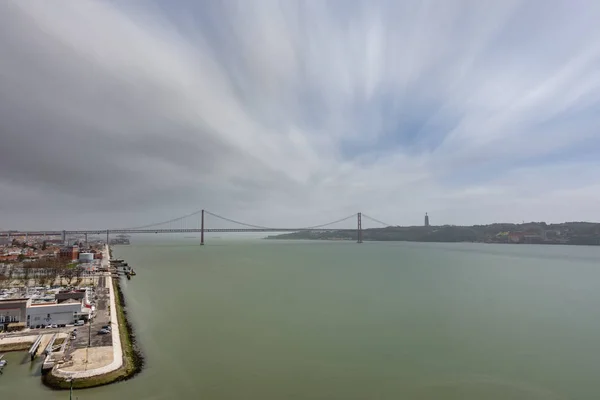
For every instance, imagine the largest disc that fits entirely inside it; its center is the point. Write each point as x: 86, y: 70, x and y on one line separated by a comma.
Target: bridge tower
x: 107, y: 238
x: 64, y: 236
x: 202, y: 229
x: 359, y: 230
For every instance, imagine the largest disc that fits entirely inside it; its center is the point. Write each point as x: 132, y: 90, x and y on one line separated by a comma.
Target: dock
x: 34, y: 347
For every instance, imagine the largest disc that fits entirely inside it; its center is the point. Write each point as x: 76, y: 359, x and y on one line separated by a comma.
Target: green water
x: 335, y: 320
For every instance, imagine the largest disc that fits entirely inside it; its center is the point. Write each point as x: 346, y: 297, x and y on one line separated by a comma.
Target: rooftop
x: 14, y: 300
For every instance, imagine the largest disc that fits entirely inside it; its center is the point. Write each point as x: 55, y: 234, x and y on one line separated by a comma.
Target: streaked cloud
x: 117, y: 113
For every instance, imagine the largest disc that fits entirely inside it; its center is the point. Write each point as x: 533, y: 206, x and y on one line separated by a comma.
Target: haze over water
x: 277, y: 320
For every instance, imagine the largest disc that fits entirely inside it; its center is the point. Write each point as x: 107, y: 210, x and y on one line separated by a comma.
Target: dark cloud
x: 117, y: 114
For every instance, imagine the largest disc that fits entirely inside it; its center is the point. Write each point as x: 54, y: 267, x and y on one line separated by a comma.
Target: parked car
x: 103, y: 331
x: 79, y: 322
x: 107, y: 327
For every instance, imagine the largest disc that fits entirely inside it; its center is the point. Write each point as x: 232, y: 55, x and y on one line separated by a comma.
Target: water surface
x: 336, y: 320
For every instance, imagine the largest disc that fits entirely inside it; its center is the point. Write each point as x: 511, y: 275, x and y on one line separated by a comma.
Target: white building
x: 13, y: 311
x: 64, y: 313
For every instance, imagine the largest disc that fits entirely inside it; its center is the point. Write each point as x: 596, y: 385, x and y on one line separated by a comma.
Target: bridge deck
x: 131, y: 231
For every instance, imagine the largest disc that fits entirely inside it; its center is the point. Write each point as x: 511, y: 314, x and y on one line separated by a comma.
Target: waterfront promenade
x: 103, y: 360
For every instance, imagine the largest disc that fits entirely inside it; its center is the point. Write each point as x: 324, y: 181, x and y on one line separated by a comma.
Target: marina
x: 87, y: 351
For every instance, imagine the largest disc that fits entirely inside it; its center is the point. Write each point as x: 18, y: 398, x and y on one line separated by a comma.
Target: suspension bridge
x: 195, y: 223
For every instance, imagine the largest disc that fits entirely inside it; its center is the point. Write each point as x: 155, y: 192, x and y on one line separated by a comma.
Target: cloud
x: 296, y: 113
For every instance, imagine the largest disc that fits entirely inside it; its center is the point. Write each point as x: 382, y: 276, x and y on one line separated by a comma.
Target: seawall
x: 128, y: 360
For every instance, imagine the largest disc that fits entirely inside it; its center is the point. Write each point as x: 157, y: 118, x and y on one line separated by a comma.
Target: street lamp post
x: 90, y: 330
x: 71, y: 389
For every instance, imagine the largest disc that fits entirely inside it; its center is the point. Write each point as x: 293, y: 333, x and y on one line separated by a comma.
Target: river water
x: 274, y: 320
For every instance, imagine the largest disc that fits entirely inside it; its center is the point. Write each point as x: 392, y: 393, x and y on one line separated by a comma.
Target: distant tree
x: 20, y: 257
x: 44, y: 245
x: 26, y: 274
x: 68, y: 273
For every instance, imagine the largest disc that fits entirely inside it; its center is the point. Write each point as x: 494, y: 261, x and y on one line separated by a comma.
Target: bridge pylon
x: 202, y: 229
x: 359, y: 228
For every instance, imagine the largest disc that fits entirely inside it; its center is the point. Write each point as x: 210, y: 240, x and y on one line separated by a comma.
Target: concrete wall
x: 52, y: 314
x: 13, y: 310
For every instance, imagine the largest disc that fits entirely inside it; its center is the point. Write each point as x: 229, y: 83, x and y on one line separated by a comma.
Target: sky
x: 295, y: 113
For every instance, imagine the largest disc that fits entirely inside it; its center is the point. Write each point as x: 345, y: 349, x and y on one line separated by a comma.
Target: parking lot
x: 89, y: 334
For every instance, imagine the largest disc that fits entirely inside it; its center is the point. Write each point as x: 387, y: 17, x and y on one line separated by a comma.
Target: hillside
x: 579, y: 233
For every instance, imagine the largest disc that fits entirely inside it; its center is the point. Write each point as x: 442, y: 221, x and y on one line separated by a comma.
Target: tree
x: 44, y: 246
x: 68, y: 273
x: 4, y: 280
x: 26, y: 273
x: 78, y: 273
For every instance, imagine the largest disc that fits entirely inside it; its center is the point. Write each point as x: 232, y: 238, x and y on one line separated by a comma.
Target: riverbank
x: 132, y: 359
x: 126, y: 361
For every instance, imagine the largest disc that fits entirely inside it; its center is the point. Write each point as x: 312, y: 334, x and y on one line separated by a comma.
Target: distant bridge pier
x: 359, y: 229
x: 64, y: 237
x: 202, y: 229
x: 107, y: 236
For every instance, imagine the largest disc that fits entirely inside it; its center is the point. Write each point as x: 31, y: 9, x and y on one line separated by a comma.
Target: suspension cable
x: 331, y: 223
x: 264, y: 227
x: 164, y: 222
x: 236, y: 222
x: 376, y: 220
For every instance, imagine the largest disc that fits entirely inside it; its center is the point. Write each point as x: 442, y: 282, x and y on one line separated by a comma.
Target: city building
x: 64, y: 313
x: 86, y: 257
x: 69, y: 253
x: 426, y: 219
x: 13, y: 311
x: 80, y: 295
x: 516, y: 237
